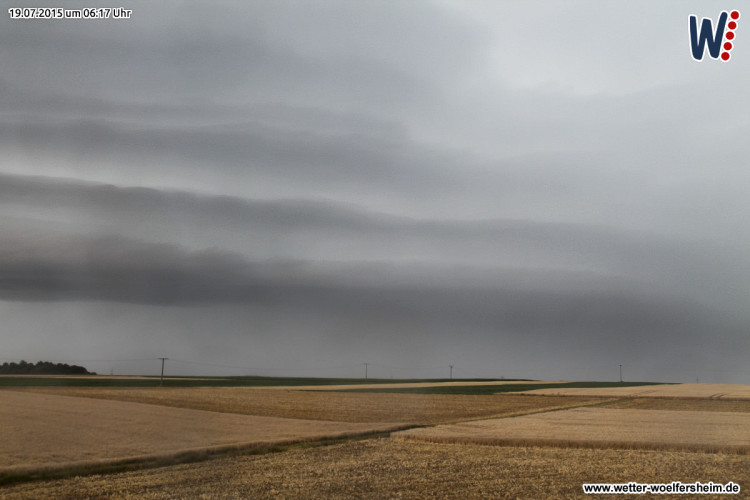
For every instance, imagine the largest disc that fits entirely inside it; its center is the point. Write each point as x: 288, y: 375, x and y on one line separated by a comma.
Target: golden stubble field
x: 422, y: 409
x: 404, y: 468
x: 59, y: 427
x: 699, y: 391
x: 602, y: 428
x: 385, y: 468
x: 50, y: 431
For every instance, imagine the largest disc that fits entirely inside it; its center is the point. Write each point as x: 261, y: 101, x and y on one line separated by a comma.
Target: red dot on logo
x: 735, y: 14
x: 728, y: 46
x: 732, y: 25
x: 729, y: 35
x: 725, y: 56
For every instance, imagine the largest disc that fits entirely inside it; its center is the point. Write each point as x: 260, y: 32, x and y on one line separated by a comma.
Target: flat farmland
x: 385, y: 468
x: 42, y: 431
x: 603, y: 428
x: 505, y: 445
x: 335, y: 406
x: 699, y: 391
x: 418, y: 385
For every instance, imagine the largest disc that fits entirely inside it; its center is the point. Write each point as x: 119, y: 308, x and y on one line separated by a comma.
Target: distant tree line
x: 42, y: 368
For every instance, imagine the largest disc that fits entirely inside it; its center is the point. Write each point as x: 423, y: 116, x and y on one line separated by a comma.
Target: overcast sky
x: 521, y: 189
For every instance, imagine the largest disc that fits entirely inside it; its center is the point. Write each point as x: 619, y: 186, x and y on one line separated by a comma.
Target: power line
x: 257, y: 368
x: 161, y: 380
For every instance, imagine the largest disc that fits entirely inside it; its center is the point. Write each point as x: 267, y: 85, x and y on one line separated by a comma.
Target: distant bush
x: 42, y: 368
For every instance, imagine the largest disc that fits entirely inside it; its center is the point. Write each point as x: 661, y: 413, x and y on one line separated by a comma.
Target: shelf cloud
x: 302, y: 187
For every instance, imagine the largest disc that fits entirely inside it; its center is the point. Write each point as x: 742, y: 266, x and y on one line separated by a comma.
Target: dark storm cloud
x: 115, y: 269
x: 324, y: 52
x: 203, y: 98
x: 125, y: 208
x: 587, y: 291
x: 407, y: 177
x: 374, y: 164
x: 243, y: 149
x: 328, y: 231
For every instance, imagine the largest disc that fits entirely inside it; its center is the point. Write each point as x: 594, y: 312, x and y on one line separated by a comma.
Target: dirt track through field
x: 49, y: 431
x: 384, y: 468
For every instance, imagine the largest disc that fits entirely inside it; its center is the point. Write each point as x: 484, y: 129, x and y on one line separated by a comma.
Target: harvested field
x: 400, y: 469
x: 337, y: 406
x: 704, y: 391
x: 273, y: 383
x: 603, y: 428
x: 48, y: 431
x: 411, y: 385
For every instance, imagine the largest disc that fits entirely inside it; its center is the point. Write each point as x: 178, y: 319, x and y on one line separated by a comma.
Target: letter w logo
x: 714, y: 40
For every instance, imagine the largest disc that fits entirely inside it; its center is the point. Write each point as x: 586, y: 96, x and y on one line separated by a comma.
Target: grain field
x: 41, y: 431
x: 384, y: 468
x: 702, y: 391
x: 603, y: 428
x: 336, y: 406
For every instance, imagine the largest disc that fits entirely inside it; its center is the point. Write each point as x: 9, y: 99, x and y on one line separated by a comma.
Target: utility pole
x: 161, y: 381
x: 451, y: 371
x: 366, y: 365
x: 621, y: 373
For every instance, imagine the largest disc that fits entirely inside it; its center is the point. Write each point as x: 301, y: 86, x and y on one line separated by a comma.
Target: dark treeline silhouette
x: 42, y: 368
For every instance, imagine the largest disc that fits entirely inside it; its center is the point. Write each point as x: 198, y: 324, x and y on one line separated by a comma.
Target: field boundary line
x: 567, y: 443
x: 16, y: 475
x: 713, y: 397
x: 531, y: 411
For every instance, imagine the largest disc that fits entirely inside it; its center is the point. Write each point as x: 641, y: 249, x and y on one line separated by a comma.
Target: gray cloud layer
x: 409, y: 181
x: 326, y: 231
x: 114, y: 269
x: 597, y: 288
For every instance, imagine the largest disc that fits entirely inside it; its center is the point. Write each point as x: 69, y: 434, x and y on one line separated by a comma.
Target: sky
x: 520, y: 189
